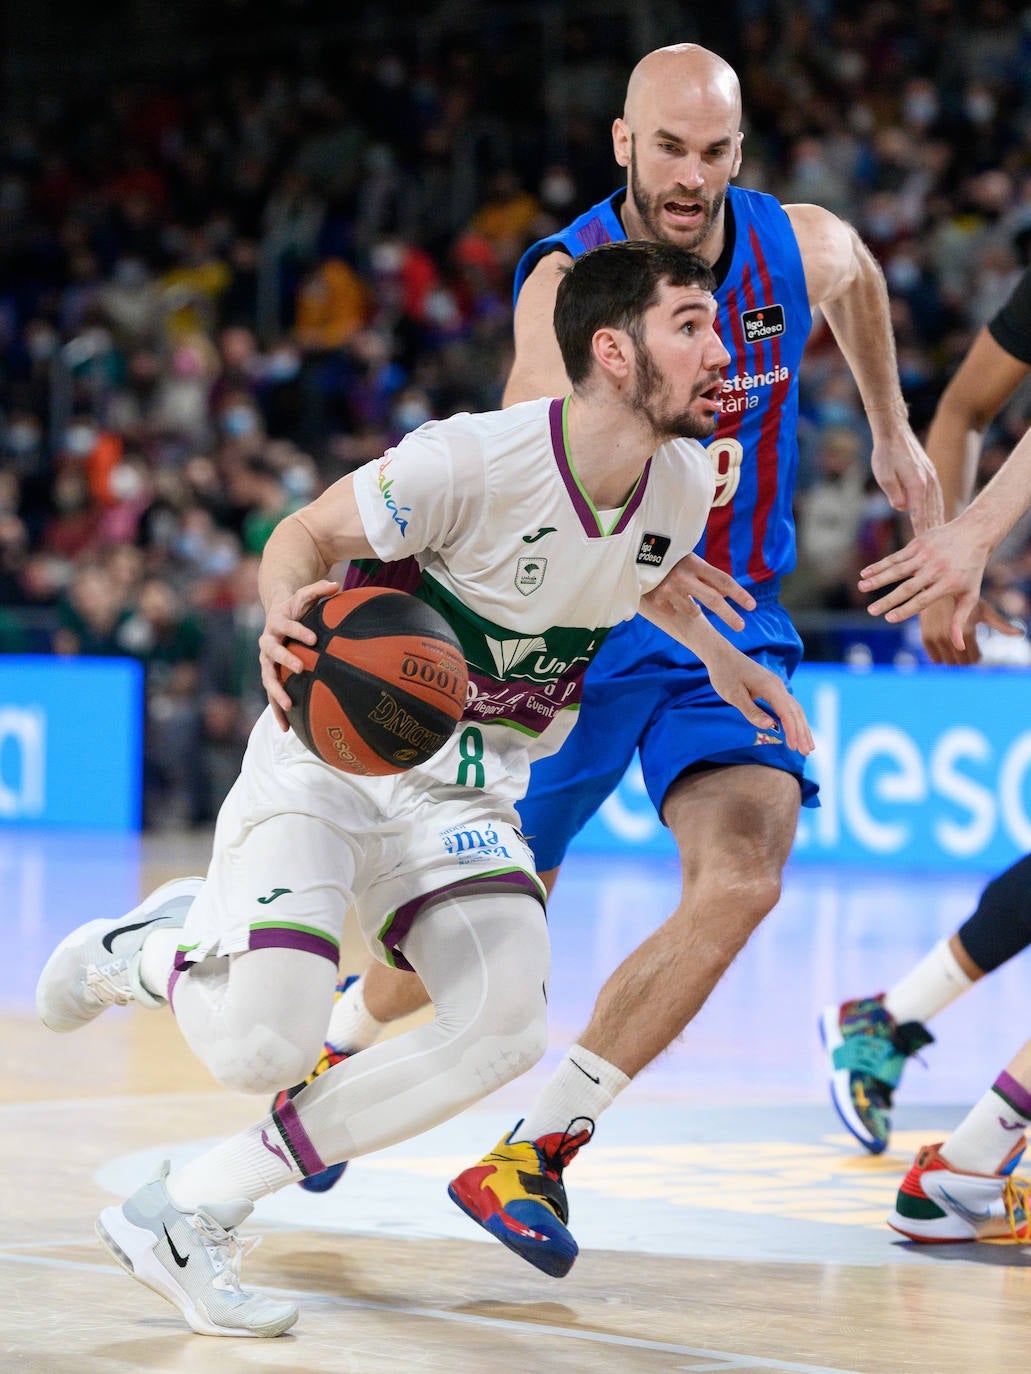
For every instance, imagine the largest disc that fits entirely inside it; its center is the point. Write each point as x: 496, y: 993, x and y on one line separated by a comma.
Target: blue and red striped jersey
x: 764, y: 321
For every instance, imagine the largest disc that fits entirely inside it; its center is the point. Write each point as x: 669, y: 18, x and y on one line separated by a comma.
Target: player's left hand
x: 691, y: 581
x: 744, y: 683
x: 907, y: 477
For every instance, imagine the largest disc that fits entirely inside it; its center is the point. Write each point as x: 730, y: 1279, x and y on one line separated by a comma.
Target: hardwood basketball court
x: 725, y: 1220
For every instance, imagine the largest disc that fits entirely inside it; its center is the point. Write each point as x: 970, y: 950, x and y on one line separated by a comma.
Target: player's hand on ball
x: 283, y: 622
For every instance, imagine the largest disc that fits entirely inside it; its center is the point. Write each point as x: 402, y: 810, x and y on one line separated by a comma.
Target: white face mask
x: 22, y: 437
x: 80, y: 439
x: 126, y: 482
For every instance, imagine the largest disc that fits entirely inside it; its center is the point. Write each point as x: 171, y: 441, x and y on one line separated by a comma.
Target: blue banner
x: 71, y: 742
x: 921, y: 768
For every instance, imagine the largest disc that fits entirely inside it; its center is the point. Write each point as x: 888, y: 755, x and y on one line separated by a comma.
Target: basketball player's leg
x: 734, y: 827
x: 964, y: 1189
x: 386, y: 994
x: 868, y: 1039
x: 484, y: 961
x: 256, y: 1020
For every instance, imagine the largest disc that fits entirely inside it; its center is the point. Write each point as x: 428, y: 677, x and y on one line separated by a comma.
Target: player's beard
x: 649, y: 208
x: 650, y: 399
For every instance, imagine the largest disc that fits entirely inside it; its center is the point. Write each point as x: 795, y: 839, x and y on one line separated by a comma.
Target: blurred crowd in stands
x: 221, y: 290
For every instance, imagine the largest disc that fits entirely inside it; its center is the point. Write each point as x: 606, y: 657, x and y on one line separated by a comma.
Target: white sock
x: 352, y: 1027
x: 252, y: 1164
x: 929, y: 987
x: 583, y: 1085
x: 990, y: 1130
x: 156, y: 958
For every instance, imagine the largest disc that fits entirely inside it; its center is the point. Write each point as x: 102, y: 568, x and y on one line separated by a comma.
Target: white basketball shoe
x: 97, y: 965
x: 939, y: 1203
x: 192, y: 1259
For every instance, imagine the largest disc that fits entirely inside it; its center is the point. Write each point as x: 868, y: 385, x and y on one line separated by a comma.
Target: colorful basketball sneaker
x: 868, y: 1050
x: 939, y: 1203
x: 97, y: 965
x: 328, y: 1177
x: 192, y: 1260
x: 516, y: 1193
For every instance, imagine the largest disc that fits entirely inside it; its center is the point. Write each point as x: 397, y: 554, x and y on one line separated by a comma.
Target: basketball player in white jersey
x: 533, y: 529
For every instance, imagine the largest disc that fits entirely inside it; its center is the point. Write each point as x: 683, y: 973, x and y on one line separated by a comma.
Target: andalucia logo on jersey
x: 530, y: 574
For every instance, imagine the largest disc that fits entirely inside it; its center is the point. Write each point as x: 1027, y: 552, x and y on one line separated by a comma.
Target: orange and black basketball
x: 384, y: 685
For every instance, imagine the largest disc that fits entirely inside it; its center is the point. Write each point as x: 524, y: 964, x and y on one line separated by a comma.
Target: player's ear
x: 612, y: 352
x: 737, y: 156
x: 621, y: 142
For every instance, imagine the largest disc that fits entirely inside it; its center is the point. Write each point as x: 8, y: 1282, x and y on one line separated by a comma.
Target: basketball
x: 383, y: 686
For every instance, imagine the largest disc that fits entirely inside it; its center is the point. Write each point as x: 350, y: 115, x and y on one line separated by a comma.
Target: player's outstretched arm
x: 844, y: 280
x: 950, y: 561
x: 300, y: 552
x: 738, y: 680
x: 983, y: 383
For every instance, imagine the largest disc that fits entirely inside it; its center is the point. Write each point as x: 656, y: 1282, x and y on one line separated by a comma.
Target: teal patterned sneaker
x: 939, y: 1203
x: 868, y: 1051
x: 192, y: 1260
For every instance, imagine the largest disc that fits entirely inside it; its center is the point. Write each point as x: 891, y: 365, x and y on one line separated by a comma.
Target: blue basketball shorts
x: 644, y: 691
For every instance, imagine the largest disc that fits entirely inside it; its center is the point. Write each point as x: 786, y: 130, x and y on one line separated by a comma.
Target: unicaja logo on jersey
x: 763, y: 323
x: 530, y: 574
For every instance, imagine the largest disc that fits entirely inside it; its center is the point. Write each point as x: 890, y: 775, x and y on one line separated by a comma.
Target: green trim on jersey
x: 576, y: 478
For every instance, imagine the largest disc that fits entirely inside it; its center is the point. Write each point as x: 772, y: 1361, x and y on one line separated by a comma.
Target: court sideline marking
x: 726, y: 1360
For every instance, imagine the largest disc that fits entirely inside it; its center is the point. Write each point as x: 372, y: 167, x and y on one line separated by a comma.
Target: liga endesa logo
x: 764, y: 323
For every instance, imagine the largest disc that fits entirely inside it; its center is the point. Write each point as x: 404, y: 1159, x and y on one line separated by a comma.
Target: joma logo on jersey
x: 653, y: 550
x: 763, y: 323
x: 530, y: 574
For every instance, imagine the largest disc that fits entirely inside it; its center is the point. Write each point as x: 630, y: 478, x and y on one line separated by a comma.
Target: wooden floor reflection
x: 377, y: 1303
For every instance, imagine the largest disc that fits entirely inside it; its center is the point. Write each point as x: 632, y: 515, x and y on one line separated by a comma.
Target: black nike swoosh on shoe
x: 112, y: 935
x: 181, y: 1260
x: 584, y: 1072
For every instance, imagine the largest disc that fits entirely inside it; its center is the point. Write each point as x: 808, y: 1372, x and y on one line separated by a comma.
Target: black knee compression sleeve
x: 1001, y: 925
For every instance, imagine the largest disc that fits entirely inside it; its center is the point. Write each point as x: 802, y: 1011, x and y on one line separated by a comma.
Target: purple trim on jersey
x: 402, y: 575
x: 636, y: 497
x: 284, y: 937
x: 583, y: 507
x: 297, y: 1139
x: 588, y: 516
x: 405, y: 916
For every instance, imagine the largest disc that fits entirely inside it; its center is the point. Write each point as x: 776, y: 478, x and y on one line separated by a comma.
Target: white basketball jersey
x: 484, y: 518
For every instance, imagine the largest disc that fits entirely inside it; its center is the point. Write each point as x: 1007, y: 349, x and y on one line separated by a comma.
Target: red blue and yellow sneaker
x: 323, y: 1181
x: 868, y: 1050
x: 939, y: 1203
x: 516, y: 1193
